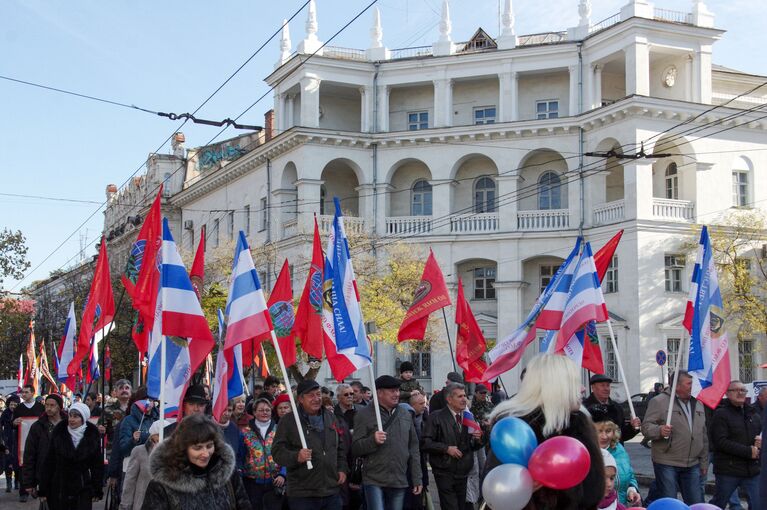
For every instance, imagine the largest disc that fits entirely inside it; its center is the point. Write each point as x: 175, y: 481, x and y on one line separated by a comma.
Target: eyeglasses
x: 742, y: 391
x: 348, y: 394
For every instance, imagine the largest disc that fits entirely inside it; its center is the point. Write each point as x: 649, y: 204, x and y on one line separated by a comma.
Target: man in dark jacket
x: 437, y: 401
x: 451, y: 448
x: 134, y: 428
x: 316, y: 488
x: 195, y: 402
x: 10, y: 462
x: 346, y: 409
x: 600, y: 398
x: 36, y: 447
x: 389, y: 453
x: 736, y: 442
x: 28, y: 408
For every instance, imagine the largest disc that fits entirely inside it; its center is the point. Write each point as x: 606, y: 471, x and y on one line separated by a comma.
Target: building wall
x: 544, y: 86
x: 471, y: 94
x: 409, y: 99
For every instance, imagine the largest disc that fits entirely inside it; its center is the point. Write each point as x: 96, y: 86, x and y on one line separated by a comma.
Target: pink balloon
x: 560, y: 463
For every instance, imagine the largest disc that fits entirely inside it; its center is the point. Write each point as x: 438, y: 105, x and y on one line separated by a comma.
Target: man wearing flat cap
x: 36, y: 447
x: 195, y: 402
x: 317, y: 488
x: 389, y: 453
x: 599, y: 401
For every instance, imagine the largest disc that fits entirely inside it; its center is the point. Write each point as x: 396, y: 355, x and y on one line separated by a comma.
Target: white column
x: 574, y: 99
x: 308, y: 191
x: 688, y: 76
x: 637, y: 189
x: 443, y: 103
x: 597, y: 99
x: 441, y: 191
x: 310, y: 101
x: 507, y: 92
x: 638, y: 68
x: 514, y: 95
x: 704, y: 72
x: 383, y: 198
x: 383, y: 108
x: 508, y: 183
x: 364, y: 109
x: 290, y: 107
x: 279, y: 111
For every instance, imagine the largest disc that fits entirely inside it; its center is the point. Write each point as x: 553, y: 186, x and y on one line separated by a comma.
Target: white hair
x: 552, y: 384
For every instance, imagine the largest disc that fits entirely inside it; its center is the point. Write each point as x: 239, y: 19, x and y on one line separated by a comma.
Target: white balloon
x: 507, y: 487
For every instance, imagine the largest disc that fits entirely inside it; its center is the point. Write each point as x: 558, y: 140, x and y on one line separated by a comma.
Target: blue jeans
x: 327, y: 503
x: 671, y: 479
x: 383, y: 498
x: 728, y: 485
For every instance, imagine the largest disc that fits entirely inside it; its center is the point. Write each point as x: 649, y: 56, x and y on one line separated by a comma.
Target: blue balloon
x: 513, y: 441
x: 667, y: 504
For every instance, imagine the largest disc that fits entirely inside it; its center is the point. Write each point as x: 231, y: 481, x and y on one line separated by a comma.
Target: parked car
x: 640, y: 405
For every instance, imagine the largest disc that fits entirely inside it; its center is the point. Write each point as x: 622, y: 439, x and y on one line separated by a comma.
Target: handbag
x: 355, y: 476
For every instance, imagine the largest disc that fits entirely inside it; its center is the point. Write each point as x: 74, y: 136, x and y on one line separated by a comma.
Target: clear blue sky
x: 170, y: 55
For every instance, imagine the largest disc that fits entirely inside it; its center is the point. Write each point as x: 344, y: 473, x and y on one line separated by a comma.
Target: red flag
x: 108, y: 365
x: 430, y: 296
x: 604, y: 256
x: 99, y: 310
x: 308, y: 323
x: 197, y: 273
x: 470, y: 346
x: 262, y: 367
x: 280, y: 305
x: 45, y: 371
x: 33, y: 372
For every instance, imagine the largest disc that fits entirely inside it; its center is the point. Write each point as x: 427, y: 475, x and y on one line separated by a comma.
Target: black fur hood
x: 163, y: 470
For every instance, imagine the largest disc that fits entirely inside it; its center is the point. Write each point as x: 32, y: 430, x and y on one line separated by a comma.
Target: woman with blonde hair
x: 609, y: 435
x: 549, y: 400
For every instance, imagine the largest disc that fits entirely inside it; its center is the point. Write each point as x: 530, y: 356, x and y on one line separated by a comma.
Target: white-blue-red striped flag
x: 67, y: 349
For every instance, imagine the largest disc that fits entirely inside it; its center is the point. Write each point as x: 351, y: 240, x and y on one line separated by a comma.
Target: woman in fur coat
x: 74, y: 465
x: 551, y: 405
x: 194, y: 469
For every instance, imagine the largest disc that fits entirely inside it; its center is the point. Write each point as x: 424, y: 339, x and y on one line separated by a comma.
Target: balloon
x: 560, y: 463
x: 507, y: 487
x: 513, y: 441
x: 704, y: 506
x: 669, y: 504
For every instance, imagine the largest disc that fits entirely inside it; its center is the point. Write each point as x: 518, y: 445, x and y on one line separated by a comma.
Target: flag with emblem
x: 430, y: 296
x: 280, y: 305
x: 470, y: 343
x: 307, y: 326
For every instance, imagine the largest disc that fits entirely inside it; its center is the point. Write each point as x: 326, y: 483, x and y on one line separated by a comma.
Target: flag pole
x: 620, y: 367
x: 253, y: 366
x: 449, y: 342
x: 676, y: 377
x: 375, y: 399
x: 162, y: 386
x: 290, y: 395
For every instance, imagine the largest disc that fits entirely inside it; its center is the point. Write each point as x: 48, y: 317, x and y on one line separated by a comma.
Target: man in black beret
x: 195, y: 402
x: 36, y: 447
x: 599, y: 401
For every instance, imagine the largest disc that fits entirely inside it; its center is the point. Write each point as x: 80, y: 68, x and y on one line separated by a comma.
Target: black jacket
x: 217, y: 487
x: 36, y: 450
x: 440, y: 432
x: 584, y: 496
x: 328, y: 455
x: 437, y: 401
x: 615, y: 412
x: 22, y: 411
x: 72, y: 476
x: 733, y: 430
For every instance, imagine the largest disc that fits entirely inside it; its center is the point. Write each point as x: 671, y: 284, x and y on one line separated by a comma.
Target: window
x: 420, y: 203
x: 549, y: 191
x: 230, y: 225
x: 610, y: 283
x: 548, y: 109
x: 421, y: 361
x: 484, y: 195
x: 264, y: 215
x: 740, y: 188
x: 674, y: 266
x: 672, y: 182
x: 166, y: 191
x: 672, y: 348
x: 746, y: 360
x: 546, y: 273
x: 484, y: 115
x: 484, y: 279
x: 247, y: 219
x: 610, y: 361
x: 323, y: 197
x: 203, y: 232
x: 215, y: 233
x: 417, y: 120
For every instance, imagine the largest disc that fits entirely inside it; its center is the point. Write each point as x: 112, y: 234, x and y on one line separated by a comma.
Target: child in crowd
x: 610, y: 501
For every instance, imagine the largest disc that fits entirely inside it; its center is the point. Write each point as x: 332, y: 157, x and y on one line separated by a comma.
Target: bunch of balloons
x: 559, y: 463
x: 675, y: 504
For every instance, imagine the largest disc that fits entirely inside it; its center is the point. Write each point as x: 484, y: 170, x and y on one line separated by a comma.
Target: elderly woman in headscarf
x: 74, y: 465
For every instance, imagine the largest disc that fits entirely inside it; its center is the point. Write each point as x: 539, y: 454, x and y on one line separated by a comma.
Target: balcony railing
x: 672, y: 16
x: 673, y: 210
x: 611, y: 212
x: 544, y: 38
x: 352, y: 224
x: 605, y: 23
x: 474, y: 223
x: 403, y: 225
x: 549, y: 219
x: 415, y: 51
x: 344, y: 53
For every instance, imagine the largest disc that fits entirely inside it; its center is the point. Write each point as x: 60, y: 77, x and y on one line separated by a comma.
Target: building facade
x: 496, y: 153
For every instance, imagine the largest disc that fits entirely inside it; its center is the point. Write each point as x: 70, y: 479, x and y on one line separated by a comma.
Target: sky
x: 170, y: 56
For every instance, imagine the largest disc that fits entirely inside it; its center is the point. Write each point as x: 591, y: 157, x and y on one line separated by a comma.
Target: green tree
x: 13, y: 255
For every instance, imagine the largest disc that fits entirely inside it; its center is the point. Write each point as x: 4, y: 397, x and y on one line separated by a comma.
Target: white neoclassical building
x: 476, y: 149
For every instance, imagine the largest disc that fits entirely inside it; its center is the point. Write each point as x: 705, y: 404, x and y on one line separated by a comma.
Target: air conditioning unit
x: 188, y: 224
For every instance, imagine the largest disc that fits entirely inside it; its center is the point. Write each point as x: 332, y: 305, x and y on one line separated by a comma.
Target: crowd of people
x: 339, y: 453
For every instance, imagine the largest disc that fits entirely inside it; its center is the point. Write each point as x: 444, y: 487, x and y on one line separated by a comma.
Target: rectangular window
x: 740, y: 189
x: 203, y: 231
x: 672, y: 348
x: 417, y: 121
x: 215, y: 233
x: 484, y: 280
x: 547, y: 272
x: 746, y: 360
x: 484, y: 115
x: 611, y: 364
x: 610, y: 284
x: 673, y: 271
x: 547, y: 109
x: 247, y: 219
x: 264, y: 215
x: 421, y: 361
x: 230, y: 225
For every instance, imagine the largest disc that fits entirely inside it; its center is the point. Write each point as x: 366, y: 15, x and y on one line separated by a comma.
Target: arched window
x: 672, y: 182
x: 549, y: 191
x: 484, y: 195
x: 323, y: 196
x: 420, y: 203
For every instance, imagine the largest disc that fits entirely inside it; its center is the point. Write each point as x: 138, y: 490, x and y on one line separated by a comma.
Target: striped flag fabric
x: 235, y: 377
x: 469, y: 421
x: 585, y: 301
x: 551, y: 313
x: 67, y: 348
x: 709, y: 357
x: 93, y: 364
x: 220, y: 393
x: 20, y: 375
x: 346, y: 343
x: 246, y: 311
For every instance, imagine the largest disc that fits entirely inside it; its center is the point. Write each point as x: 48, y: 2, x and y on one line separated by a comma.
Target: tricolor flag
x: 20, y: 375
x: 709, y: 358
x: 430, y: 296
x: 67, y: 349
x: 246, y: 311
x: 220, y: 394
x: 470, y: 422
x: 346, y: 344
x: 234, y: 379
x: 93, y: 364
x: 307, y: 327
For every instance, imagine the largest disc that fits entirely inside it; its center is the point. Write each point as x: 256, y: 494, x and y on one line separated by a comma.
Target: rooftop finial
x: 584, y: 11
x: 285, y: 44
x: 311, y: 44
x: 507, y: 39
x: 376, y: 32
x: 445, y: 26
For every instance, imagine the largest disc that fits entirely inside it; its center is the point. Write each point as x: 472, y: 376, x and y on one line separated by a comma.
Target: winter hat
x: 81, y: 409
x: 406, y: 366
x: 609, y: 460
x: 282, y: 397
x: 157, y: 426
x: 56, y: 397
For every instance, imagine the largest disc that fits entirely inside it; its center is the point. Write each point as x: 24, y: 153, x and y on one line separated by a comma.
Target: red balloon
x: 560, y: 463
